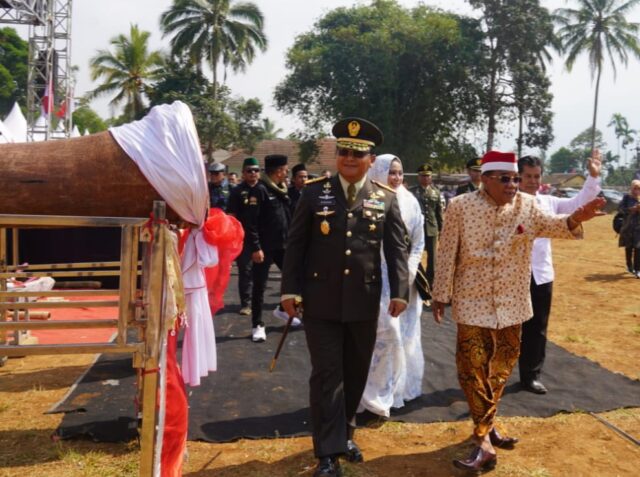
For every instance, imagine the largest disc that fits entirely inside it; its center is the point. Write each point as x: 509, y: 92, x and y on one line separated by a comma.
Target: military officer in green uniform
x: 332, y: 268
x: 430, y: 201
x: 473, y: 169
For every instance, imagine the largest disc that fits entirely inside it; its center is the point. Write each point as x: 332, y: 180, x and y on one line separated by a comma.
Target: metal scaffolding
x: 50, y: 83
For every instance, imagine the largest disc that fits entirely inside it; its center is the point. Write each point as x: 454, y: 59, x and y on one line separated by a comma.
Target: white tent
x: 5, y: 135
x: 75, y: 132
x: 40, y: 125
x: 16, y: 123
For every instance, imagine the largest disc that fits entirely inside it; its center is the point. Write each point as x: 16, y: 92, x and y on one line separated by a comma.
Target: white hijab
x: 379, y: 170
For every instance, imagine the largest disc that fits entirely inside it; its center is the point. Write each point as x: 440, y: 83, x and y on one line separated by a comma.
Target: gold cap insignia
x: 354, y: 128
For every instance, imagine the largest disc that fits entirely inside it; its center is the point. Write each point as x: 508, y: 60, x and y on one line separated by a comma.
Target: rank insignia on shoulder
x: 384, y: 186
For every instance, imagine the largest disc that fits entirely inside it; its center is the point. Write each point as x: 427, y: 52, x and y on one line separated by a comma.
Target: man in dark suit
x: 268, y: 216
x: 238, y: 206
x: 332, y: 269
x: 430, y: 202
x: 473, y: 169
x: 299, y: 176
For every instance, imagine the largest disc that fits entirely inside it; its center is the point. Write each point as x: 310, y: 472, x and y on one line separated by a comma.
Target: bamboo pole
x: 150, y: 378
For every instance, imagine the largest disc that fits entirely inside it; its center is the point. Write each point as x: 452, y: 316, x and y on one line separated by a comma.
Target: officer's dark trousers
x: 430, y: 247
x: 260, y: 274
x: 534, y: 332
x: 244, y: 276
x: 340, y: 358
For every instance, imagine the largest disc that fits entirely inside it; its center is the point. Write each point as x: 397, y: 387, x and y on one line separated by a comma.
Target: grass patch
x: 96, y: 463
x: 577, y: 339
x: 515, y: 471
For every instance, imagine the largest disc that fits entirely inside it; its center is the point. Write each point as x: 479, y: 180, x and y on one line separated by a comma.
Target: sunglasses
x: 343, y: 151
x: 505, y: 179
x: 251, y: 170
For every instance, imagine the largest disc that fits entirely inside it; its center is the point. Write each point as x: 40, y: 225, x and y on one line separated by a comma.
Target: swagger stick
x: 284, y: 337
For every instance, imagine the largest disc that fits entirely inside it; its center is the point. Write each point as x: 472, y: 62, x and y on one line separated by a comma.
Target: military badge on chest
x: 244, y: 195
x: 373, y: 209
x: 325, y: 227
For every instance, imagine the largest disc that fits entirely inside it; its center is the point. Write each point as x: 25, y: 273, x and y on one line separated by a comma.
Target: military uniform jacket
x: 430, y: 202
x: 333, y: 251
x: 267, y: 218
x: 463, y: 189
x: 219, y: 195
x: 294, y: 196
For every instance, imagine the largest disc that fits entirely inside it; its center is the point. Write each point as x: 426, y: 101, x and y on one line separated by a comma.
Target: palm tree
x: 269, y: 130
x: 598, y: 28
x: 215, y: 31
x: 128, y: 71
x: 619, y: 123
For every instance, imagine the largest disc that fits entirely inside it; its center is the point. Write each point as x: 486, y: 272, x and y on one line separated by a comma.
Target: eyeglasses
x: 216, y: 172
x: 505, y: 179
x: 252, y: 170
x: 343, y: 151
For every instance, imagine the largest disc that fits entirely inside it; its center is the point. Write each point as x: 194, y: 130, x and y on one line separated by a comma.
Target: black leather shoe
x: 478, y: 461
x: 353, y: 452
x: 534, y: 386
x: 328, y: 467
x: 502, y: 442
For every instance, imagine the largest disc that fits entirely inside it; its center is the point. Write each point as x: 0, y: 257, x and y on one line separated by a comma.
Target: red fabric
x: 497, y: 156
x: 176, y: 420
x: 226, y: 233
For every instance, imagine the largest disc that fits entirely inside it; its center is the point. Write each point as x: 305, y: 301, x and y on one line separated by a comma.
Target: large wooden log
x: 85, y: 176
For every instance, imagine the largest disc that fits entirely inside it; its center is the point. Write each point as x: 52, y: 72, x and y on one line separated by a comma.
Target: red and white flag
x: 47, y: 100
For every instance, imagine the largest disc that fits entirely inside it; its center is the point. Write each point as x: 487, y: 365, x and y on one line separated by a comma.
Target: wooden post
x: 153, y: 339
x: 3, y: 287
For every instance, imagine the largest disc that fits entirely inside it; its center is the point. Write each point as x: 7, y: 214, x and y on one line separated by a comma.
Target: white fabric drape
x: 397, y: 364
x: 165, y: 146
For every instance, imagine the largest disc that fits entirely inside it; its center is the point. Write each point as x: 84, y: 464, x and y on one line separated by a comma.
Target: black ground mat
x: 242, y: 399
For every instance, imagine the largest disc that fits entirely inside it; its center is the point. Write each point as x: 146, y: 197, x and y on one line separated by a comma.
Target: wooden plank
x: 86, y: 273
x: 82, y: 348
x: 63, y: 266
x: 11, y: 305
x: 43, y: 221
x: 61, y: 324
x: 18, y: 293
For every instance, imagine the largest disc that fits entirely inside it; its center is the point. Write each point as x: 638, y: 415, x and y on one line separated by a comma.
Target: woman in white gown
x: 397, y: 365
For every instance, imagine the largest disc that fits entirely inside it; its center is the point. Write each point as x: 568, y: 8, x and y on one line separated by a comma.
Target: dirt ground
x: 596, y: 313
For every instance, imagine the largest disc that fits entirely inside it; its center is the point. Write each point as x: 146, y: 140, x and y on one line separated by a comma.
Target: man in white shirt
x: 534, y: 331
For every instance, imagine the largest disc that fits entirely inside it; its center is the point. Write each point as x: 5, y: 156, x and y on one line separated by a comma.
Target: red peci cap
x: 499, y: 161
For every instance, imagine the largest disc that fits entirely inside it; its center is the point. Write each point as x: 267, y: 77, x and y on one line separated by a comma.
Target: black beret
x: 297, y: 168
x: 357, y: 134
x: 275, y: 160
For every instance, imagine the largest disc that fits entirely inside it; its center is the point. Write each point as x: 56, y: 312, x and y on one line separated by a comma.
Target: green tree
x: 127, y: 72
x: 215, y: 31
x: 584, y: 143
x: 86, y: 119
x: 223, y: 122
x: 412, y: 72
x: 598, y: 28
x: 14, y: 55
x: 517, y: 38
x: 564, y: 160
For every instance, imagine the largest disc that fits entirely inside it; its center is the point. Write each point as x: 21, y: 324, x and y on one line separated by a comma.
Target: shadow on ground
x: 436, y: 463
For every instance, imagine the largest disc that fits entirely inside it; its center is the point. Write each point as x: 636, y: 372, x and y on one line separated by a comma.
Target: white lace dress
x: 397, y: 365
